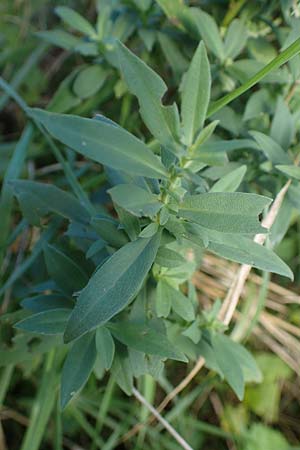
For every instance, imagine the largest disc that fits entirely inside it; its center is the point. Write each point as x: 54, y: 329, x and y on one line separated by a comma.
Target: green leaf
x: 163, y: 302
x: 251, y: 371
x: 175, y: 58
x: 12, y: 172
x: 290, y: 170
x: 64, y: 99
x: 68, y: 276
x: 150, y: 230
x: 122, y: 371
x: 171, y: 7
x: 203, y: 136
x: 258, y: 104
x: 208, y: 30
x: 229, y: 363
x: 193, y: 332
x: 37, y: 199
x: 77, y: 367
x: 231, y: 181
x: 261, y: 437
x: 283, y: 125
x: 143, y: 5
x: 46, y: 322
x: 227, y: 146
x: 89, y: 81
x: 112, y: 286
x: 195, y: 94
x: 246, y: 251
x: 271, y: 149
x: 227, y: 212
x: 75, y: 20
x: 181, y: 304
x: 235, y: 39
x: 149, y: 88
x: 109, y: 232
x: 59, y: 38
x: 146, y: 339
x: 167, y: 257
x: 135, y: 199
x: 102, y: 142
x: 41, y: 303
x: 105, y: 347
x: 130, y: 223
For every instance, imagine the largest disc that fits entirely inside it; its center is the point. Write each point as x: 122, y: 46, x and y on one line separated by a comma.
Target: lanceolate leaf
x: 208, y: 30
x: 136, y: 200
x: 105, y: 347
x: 169, y: 258
x: 145, y: 339
x: 168, y: 296
x: 227, y: 212
x: 41, y: 198
x: 195, y: 94
x: 246, y: 251
x: 290, y: 171
x: 231, y: 181
x: 46, y: 322
x: 64, y: 271
x: 113, y: 286
x: 77, y: 367
x: 149, y: 88
x: 273, y: 151
x: 102, y: 142
x: 229, y: 364
x: 41, y: 303
x: 75, y: 20
x: 236, y: 38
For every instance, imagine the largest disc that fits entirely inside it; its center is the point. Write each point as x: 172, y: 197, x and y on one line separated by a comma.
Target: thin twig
x: 163, y: 421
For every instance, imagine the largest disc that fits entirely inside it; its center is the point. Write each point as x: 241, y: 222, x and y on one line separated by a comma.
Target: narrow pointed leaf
x: 41, y: 303
x: 273, y: 151
x: 229, y: 364
x: 146, y: 339
x: 195, y: 94
x: 246, y: 251
x: 169, y: 258
x: 64, y: 271
x: 42, y: 198
x: 102, y: 142
x: 112, y: 286
x: 135, y: 199
x: 77, y: 367
x: 75, y: 20
x: 290, y: 170
x: 208, y: 30
x: 149, y: 88
x: 105, y: 347
x: 46, y: 322
x: 227, y: 212
x: 231, y: 181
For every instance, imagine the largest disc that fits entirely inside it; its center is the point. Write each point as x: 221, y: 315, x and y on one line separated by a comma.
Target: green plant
x: 112, y: 276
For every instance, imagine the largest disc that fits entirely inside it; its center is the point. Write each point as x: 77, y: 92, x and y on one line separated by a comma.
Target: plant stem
x: 282, y: 58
